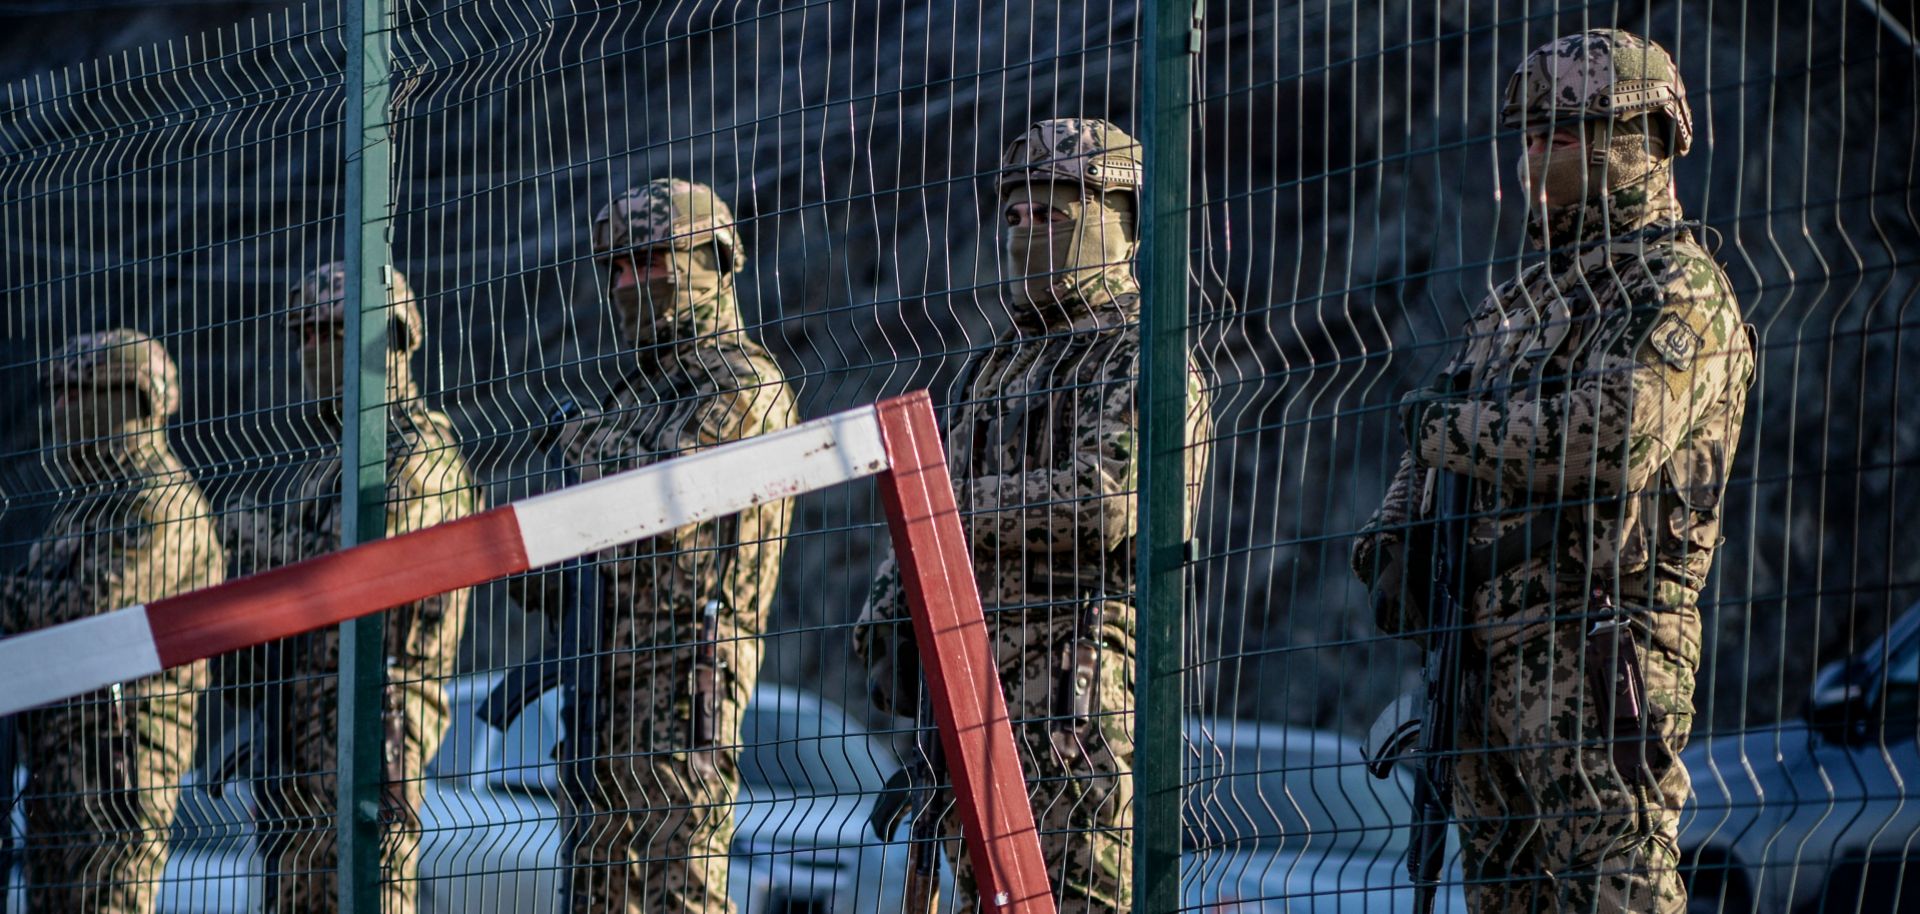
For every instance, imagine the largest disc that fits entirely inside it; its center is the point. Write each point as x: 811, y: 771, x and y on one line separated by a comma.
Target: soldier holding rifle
x: 1584, y: 434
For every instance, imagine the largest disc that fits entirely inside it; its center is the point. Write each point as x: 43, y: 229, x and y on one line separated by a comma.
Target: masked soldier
x: 1593, y: 411
x: 680, y: 615
x: 131, y: 528
x: 1044, y: 457
x: 427, y: 484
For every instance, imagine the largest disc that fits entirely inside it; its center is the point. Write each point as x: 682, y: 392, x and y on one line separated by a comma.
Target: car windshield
x: 1903, y: 669
x: 1898, y: 692
x: 1290, y: 788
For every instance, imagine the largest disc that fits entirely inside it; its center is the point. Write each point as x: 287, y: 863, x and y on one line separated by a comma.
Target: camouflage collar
x: 123, y: 464
x: 400, y: 390
x: 691, y: 320
x: 1080, y: 298
x: 675, y: 351
x: 1623, y: 211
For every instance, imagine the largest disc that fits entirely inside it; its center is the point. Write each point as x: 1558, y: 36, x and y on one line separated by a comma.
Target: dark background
x: 166, y: 167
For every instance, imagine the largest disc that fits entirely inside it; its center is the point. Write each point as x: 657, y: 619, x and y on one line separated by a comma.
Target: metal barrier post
x: 1170, y: 39
x: 969, y: 702
x: 363, y: 445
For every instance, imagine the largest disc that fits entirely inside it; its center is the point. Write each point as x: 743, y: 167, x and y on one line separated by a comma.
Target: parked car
x: 1281, y: 819
x: 1817, y: 814
x: 1287, y: 819
x: 491, y: 827
x: 809, y: 777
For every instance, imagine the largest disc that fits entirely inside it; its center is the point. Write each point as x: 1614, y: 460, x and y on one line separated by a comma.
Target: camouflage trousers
x: 103, y: 783
x: 299, y: 832
x: 1548, y: 821
x: 1079, y: 771
x: 650, y: 810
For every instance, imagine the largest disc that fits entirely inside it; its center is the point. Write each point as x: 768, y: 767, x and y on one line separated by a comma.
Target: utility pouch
x: 1077, y: 670
x: 1076, y: 685
x: 117, y: 770
x: 706, y: 680
x: 394, y: 806
x: 116, y: 746
x: 1616, y: 683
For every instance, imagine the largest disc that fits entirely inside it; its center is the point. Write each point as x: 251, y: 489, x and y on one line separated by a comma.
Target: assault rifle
x: 1435, y: 578
x: 572, y: 663
x: 1435, y: 748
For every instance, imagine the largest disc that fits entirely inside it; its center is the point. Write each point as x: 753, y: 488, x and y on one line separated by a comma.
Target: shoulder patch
x: 1675, y: 342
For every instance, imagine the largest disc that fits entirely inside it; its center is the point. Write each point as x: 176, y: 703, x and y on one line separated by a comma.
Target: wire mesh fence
x: 1377, y: 403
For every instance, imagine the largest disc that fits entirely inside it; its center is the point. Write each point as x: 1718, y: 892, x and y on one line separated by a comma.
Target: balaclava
x: 1058, y: 261
x: 690, y: 295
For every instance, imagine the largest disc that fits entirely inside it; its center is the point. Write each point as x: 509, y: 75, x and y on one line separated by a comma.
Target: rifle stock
x: 923, y: 884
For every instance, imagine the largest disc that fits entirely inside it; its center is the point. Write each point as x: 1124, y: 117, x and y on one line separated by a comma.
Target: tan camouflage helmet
x: 672, y: 211
x: 1089, y: 151
x: 1598, y: 75
x: 321, y: 297
x: 114, y: 357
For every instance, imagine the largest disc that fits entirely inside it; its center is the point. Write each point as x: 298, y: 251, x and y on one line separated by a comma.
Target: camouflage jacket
x: 427, y: 484
x: 1603, y: 393
x: 710, y: 385
x: 123, y: 543
x: 1044, y: 457
x: 1044, y: 451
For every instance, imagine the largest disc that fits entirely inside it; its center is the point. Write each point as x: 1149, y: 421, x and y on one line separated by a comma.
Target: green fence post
x: 1170, y: 38
x: 363, y: 445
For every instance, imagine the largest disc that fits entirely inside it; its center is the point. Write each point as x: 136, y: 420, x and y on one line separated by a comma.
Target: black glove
x: 891, y: 805
x: 1417, y: 406
x: 1413, y: 414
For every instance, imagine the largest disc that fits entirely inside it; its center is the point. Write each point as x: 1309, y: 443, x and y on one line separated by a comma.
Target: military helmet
x: 672, y: 211
x: 1603, y: 74
x: 321, y: 297
x: 114, y: 357
x: 1086, y: 150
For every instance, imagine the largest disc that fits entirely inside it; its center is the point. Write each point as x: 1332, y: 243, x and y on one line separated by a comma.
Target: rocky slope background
x: 177, y: 166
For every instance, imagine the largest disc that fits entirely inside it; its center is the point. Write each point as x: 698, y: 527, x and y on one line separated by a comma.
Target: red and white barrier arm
x: 896, y: 439
x: 78, y: 657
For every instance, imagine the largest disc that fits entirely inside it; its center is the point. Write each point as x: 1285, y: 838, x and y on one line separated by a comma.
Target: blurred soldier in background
x: 1044, y: 455
x: 680, y: 615
x: 1595, y: 405
x: 427, y: 484
x: 131, y: 528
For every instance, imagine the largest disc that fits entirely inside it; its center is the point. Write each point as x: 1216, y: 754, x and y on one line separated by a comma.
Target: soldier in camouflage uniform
x: 427, y: 484
x: 681, y: 613
x: 1595, y: 406
x: 131, y: 528
x: 1044, y: 459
